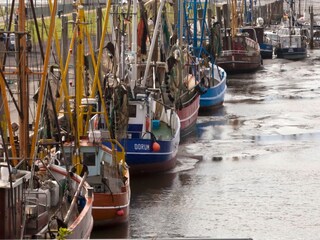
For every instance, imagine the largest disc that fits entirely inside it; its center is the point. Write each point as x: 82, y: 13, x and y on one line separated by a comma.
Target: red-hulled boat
x: 241, y: 52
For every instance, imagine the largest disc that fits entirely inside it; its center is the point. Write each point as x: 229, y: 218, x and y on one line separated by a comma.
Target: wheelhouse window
x: 89, y: 158
x: 132, y: 111
x: 68, y: 157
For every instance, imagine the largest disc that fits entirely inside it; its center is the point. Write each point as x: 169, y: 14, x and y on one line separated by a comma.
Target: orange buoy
x: 156, y: 147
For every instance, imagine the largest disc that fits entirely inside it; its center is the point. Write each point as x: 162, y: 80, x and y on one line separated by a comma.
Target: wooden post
x: 175, y: 15
x: 226, y: 15
x: 99, y: 26
x: 311, y: 26
x: 218, y: 15
x: 209, y: 17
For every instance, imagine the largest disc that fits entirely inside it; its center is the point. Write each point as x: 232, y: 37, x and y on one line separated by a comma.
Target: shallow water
x: 251, y: 170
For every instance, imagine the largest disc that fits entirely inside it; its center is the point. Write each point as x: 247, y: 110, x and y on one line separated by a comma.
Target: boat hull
x: 82, y: 226
x: 239, y: 61
x: 111, y: 209
x: 142, y: 159
x: 214, y: 97
x: 110, y: 181
x: 291, y: 53
x: 188, y: 115
x: 266, y: 51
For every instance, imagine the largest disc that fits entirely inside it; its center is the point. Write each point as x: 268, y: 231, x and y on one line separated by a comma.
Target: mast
x: 153, y: 42
x: 23, y: 84
x: 43, y: 81
x: 134, y: 48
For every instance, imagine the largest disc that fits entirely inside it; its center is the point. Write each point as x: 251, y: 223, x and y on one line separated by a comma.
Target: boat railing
x: 158, y: 72
x: 190, y: 100
x: 233, y: 52
x: 288, y: 41
x: 36, y: 210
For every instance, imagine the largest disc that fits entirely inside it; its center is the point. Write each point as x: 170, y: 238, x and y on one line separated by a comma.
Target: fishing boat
x: 87, y: 127
x: 39, y: 198
x: 180, y: 88
x: 212, y: 77
x: 214, y: 95
x: 240, y: 48
x: 152, y: 137
x: 243, y: 54
x: 147, y: 128
x: 266, y: 48
x: 292, y: 44
x: 38, y: 211
x: 109, y: 177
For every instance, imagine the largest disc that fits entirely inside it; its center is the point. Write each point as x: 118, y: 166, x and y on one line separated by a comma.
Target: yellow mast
x: 96, y: 83
x: 63, y: 91
x: 43, y: 82
x: 7, y: 115
x: 79, y: 71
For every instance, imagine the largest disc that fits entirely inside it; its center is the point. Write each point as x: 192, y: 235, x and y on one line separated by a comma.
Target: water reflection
x: 111, y: 232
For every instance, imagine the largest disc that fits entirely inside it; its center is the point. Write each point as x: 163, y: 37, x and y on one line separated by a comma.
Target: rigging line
x: 11, y: 94
x: 51, y: 49
x: 37, y: 28
x: 48, y: 48
x: 38, y: 134
x: 8, y: 118
x: 8, y: 28
x: 49, y: 84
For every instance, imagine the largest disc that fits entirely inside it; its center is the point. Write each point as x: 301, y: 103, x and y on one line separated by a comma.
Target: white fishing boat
x: 292, y: 44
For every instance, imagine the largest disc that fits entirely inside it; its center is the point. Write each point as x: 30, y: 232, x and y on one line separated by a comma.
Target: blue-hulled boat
x: 217, y: 86
x: 146, y: 127
x: 150, y: 137
x: 153, y: 136
x: 205, y: 43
